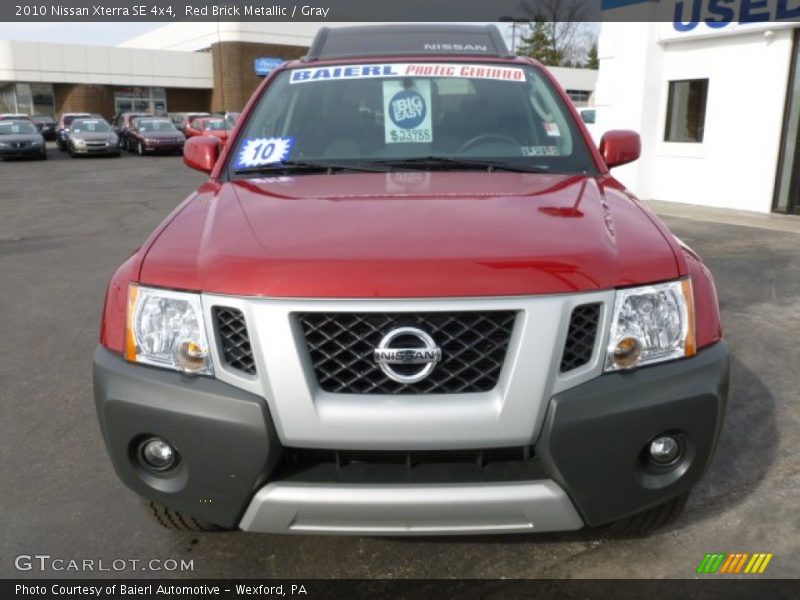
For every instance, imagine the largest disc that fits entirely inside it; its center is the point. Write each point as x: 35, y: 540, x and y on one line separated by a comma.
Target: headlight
x: 3, y: 144
x: 166, y: 329
x: 149, y: 141
x: 79, y: 141
x: 651, y: 324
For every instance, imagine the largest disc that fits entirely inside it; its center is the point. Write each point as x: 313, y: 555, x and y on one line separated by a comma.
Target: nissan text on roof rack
x: 411, y: 299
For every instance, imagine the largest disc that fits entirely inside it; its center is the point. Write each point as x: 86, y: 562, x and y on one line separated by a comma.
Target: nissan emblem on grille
x: 428, y: 354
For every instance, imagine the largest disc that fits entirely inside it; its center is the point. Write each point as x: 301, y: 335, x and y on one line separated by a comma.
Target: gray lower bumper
x: 411, y: 510
x: 590, y: 456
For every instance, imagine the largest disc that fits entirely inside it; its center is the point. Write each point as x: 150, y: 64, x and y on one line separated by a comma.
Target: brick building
x: 176, y: 68
x: 180, y: 67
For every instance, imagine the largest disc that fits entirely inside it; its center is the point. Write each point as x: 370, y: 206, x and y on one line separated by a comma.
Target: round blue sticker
x: 407, y: 109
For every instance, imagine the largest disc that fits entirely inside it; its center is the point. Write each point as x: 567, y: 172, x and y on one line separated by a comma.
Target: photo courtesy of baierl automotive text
x: 411, y: 299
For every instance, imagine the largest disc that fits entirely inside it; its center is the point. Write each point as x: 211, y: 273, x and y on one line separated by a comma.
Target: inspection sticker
x: 552, y: 129
x: 263, y: 151
x: 540, y: 151
x: 408, y: 70
x: 408, y: 112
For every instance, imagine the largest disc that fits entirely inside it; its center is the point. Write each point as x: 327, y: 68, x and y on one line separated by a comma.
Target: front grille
x: 481, y: 457
x: 581, y: 336
x: 473, y: 344
x: 234, y: 340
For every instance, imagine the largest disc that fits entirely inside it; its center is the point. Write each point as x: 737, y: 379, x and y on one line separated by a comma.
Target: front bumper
x: 588, y: 465
x: 26, y: 152
x: 111, y: 150
x: 165, y: 147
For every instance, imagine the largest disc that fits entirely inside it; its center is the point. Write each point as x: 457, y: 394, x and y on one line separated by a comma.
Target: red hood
x: 407, y: 235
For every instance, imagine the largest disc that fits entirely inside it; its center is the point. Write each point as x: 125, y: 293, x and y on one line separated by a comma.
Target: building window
x: 686, y: 110
x: 580, y: 97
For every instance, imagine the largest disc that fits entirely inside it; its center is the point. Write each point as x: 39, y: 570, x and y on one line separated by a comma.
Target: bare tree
x: 557, y: 35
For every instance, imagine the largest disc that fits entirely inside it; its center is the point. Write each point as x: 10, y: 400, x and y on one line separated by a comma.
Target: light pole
x: 513, y: 21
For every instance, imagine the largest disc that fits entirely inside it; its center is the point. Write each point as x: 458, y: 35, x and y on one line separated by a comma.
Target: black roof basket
x: 409, y: 39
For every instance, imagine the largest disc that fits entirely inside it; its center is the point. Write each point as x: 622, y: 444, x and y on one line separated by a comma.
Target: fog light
x: 627, y: 352
x: 664, y: 450
x: 158, y: 454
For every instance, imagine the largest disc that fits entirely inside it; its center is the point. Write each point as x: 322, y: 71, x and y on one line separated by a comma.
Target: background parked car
x: 217, y: 127
x: 589, y: 116
x: 63, y: 127
x: 122, y: 122
x: 92, y: 136
x: 147, y: 135
x: 20, y: 138
x: 182, y: 120
x: 46, y: 126
x: 231, y: 118
x: 14, y: 117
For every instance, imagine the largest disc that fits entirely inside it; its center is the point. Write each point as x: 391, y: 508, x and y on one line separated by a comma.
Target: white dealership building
x: 717, y: 108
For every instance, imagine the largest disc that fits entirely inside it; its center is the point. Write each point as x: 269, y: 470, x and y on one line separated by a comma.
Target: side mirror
x: 620, y: 147
x: 201, y: 153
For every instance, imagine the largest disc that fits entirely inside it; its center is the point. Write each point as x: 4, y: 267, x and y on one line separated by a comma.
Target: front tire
x: 173, y: 519
x: 140, y: 149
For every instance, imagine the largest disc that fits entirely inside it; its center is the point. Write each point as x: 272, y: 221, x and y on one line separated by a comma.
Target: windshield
x: 148, y: 125
x: 385, y: 114
x: 214, y: 125
x: 68, y: 119
x: 17, y: 127
x: 89, y: 126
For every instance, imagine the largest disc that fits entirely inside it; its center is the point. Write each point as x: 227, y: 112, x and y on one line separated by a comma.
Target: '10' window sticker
x: 256, y: 152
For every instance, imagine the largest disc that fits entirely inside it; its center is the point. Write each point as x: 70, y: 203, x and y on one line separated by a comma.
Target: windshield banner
x: 471, y: 71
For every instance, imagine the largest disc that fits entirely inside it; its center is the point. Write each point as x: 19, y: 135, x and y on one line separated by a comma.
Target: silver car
x: 92, y: 136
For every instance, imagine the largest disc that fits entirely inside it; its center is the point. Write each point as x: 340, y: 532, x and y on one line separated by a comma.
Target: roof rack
x: 407, y: 39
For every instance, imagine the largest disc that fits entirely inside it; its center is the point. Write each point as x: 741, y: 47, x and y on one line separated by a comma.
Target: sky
x: 111, y: 34
x: 103, y: 34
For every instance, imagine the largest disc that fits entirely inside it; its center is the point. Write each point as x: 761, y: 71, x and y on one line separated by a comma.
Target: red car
x: 411, y: 298
x: 217, y: 127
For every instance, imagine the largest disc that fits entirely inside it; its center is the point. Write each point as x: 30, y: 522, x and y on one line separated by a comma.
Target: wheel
x: 43, y: 156
x: 648, y: 521
x: 70, y: 152
x: 123, y: 143
x: 140, y: 148
x: 172, y: 519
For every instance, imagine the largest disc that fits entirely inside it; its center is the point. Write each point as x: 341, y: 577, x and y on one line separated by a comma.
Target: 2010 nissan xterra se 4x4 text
x: 411, y: 299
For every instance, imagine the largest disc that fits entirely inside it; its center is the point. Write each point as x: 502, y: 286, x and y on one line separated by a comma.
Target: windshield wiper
x: 295, y: 166
x: 459, y: 163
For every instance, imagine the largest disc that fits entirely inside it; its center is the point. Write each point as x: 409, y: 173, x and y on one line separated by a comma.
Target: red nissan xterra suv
x: 411, y: 299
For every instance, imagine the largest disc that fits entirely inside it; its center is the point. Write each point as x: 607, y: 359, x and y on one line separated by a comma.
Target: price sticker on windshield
x: 407, y: 110
x: 263, y: 151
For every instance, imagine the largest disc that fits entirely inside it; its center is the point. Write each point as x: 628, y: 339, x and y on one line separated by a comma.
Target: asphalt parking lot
x: 66, y: 224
